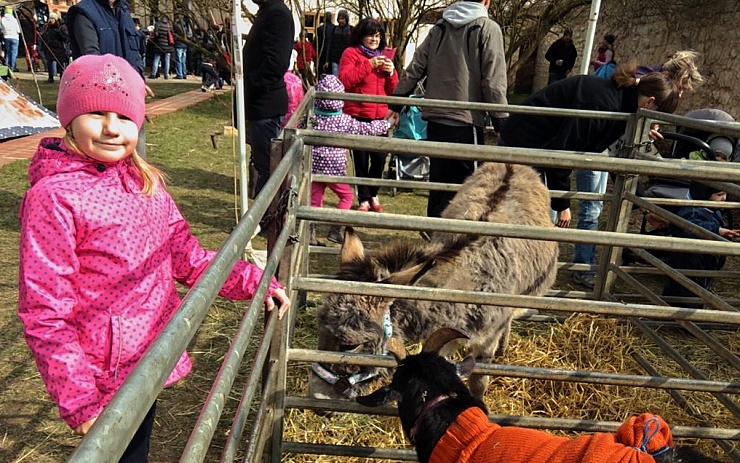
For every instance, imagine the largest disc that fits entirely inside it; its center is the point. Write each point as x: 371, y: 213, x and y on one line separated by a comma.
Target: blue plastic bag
x: 410, y: 124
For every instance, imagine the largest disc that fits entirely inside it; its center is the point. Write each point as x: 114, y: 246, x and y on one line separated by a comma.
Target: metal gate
x: 286, y: 200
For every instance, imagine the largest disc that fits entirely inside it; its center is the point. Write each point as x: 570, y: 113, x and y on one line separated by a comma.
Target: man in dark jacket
x: 163, y: 47
x: 99, y: 27
x: 562, y: 56
x: 340, y: 40
x: 324, y: 35
x: 266, y: 59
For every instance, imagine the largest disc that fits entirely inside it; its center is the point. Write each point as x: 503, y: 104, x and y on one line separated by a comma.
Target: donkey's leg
x: 493, y: 346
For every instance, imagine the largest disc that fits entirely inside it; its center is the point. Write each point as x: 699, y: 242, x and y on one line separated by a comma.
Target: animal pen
x: 256, y: 429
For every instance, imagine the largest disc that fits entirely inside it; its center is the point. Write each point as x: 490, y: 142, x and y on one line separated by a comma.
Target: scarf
x: 370, y: 53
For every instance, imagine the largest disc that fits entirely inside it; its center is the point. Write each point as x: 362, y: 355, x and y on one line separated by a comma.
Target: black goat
x: 448, y: 424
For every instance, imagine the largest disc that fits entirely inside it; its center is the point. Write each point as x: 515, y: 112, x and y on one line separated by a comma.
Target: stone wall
x: 651, y: 30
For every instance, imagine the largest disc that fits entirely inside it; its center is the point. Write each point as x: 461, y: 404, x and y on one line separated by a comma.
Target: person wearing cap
x: 11, y: 30
x: 456, y: 70
x: 102, y: 244
x: 341, y: 36
x: 562, y: 56
x: 55, y: 38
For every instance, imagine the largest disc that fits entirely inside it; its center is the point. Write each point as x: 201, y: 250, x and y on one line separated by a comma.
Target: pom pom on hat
x: 646, y: 432
x: 95, y: 83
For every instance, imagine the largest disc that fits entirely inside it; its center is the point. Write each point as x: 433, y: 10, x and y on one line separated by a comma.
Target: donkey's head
x: 359, y: 323
x: 424, y: 381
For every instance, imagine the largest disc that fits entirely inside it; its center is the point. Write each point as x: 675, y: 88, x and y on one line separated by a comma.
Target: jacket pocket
x: 116, y: 346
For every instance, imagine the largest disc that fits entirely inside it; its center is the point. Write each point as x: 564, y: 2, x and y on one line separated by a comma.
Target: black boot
x: 335, y: 234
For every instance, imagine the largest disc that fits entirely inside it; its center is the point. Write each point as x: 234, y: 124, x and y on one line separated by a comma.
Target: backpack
x: 410, y: 124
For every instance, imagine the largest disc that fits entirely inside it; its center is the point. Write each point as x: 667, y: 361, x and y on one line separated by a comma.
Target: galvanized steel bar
x: 692, y: 328
x: 613, y: 309
x: 527, y: 156
x: 688, y: 408
x: 475, y: 106
x: 700, y: 232
x: 521, y: 421
x: 722, y: 398
x: 114, y: 428
x: 515, y: 371
x: 350, y: 451
x: 707, y: 296
x: 403, y: 222
x: 721, y: 128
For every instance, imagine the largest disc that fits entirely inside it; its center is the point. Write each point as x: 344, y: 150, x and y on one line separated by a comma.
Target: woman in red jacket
x: 367, y: 70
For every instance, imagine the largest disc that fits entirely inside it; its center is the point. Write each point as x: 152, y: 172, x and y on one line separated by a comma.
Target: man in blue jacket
x: 266, y: 59
x: 100, y: 27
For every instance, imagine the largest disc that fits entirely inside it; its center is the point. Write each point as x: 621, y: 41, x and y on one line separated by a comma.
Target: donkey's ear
x: 352, y: 248
x: 465, y: 368
x: 380, y: 397
x: 410, y: 275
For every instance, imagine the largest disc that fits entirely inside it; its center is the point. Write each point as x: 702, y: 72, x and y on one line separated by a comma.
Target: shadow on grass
x: 199, y: 179
x: 9, y: 204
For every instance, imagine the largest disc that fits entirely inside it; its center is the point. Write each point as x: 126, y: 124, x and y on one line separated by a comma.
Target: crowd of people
x: 60, y: 277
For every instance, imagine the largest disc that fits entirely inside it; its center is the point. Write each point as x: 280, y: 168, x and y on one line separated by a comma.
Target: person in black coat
x: 562, y: 56
x: 55, y: 39
x: 324, y: 36
x: 163, y: 47
x: 622, y: 93
x: 266, y: 58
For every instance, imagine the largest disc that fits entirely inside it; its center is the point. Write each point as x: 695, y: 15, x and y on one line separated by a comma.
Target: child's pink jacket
x: 98, y: 264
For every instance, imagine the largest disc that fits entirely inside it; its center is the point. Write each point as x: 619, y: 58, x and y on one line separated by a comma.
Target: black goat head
x: 426, y: 374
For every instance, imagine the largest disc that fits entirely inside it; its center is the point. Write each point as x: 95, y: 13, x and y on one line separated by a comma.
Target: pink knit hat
x: 101, y: 83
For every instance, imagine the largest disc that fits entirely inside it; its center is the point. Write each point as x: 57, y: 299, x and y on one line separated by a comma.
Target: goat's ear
x: 352, y: 248
x: 465, y: 368
x: 410, y: 275
x: 382, y: 396
x: 441, y: 337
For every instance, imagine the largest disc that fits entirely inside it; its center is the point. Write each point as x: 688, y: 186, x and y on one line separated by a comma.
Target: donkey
x: 448, y: 425
x: 498, y: 193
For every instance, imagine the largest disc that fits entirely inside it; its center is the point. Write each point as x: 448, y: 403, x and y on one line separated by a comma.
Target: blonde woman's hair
x: 150, y: 175
x: 681, y: 68
x: 658, y: 85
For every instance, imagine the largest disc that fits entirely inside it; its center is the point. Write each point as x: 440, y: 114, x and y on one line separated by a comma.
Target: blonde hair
x: 151, y: 177
x: 658, y: 85
x: 681, y: 68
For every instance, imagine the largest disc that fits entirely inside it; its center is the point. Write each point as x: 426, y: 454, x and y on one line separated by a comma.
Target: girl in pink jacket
x: 102, y: 244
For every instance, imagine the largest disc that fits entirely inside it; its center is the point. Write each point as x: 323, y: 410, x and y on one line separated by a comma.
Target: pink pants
x: 342, y: 190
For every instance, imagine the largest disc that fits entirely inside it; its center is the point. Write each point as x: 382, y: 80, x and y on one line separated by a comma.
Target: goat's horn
x: 397, y: 349
x: 441, y: 337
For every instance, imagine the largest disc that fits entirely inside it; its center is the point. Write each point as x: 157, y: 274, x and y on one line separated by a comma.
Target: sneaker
x: 203, y: 88
x: 584, y: 279
x: 375, y: 204
x: 364, y: 206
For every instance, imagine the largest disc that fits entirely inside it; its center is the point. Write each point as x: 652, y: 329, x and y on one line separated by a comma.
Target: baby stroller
x: 696, y: 145
x: 406, y: 166
x: 688, y: 144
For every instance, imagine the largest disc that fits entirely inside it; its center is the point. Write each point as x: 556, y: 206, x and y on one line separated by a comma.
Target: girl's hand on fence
x: 282, y: 298
x: 84, y: 427
x: 655, y: 132
x: 563, y: 219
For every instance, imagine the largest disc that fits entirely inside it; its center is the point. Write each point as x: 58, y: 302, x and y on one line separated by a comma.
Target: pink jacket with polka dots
x: 98, y: 265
